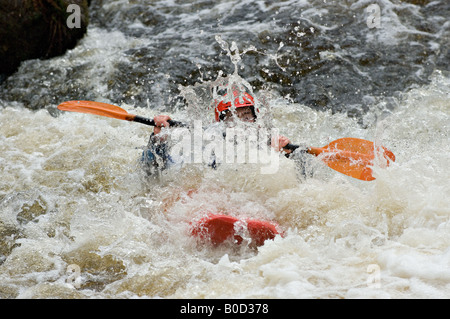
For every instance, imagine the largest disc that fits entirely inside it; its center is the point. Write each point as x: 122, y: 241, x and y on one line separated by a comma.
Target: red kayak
x: 220, y: 228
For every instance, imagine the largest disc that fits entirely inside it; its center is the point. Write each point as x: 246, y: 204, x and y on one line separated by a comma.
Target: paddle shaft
x: 113, y: 111
x: 151, y: 122
x: 350, y: 156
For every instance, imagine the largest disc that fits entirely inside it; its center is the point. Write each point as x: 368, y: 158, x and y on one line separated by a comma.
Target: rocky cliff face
x: 31, y: 29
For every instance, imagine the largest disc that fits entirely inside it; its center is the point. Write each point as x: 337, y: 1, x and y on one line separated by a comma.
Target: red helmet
x: 222, y: 106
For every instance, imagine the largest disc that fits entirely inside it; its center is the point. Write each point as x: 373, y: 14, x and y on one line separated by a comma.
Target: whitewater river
x: 79, y: 218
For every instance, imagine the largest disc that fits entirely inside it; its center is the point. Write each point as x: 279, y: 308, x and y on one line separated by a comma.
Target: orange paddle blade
x: 97, y: 108
x: 352, y: 156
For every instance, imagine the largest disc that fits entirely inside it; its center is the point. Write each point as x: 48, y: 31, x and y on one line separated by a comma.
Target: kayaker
x: 157, y: 157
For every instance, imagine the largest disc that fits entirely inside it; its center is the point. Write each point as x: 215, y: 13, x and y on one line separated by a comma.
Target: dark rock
x: 31, y: 29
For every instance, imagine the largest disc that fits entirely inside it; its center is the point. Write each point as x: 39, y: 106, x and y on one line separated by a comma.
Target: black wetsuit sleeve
x: 156, y: 155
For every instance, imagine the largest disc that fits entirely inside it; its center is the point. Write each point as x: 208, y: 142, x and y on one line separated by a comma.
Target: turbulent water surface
x: 79, y: 218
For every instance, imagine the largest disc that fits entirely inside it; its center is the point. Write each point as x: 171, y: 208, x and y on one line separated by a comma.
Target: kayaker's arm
x: 291, y: 148
x: 299, y: 154
x: 161, y: 121
x: 279, y: 142
x: 156, y: 156
x: 284, y: 145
